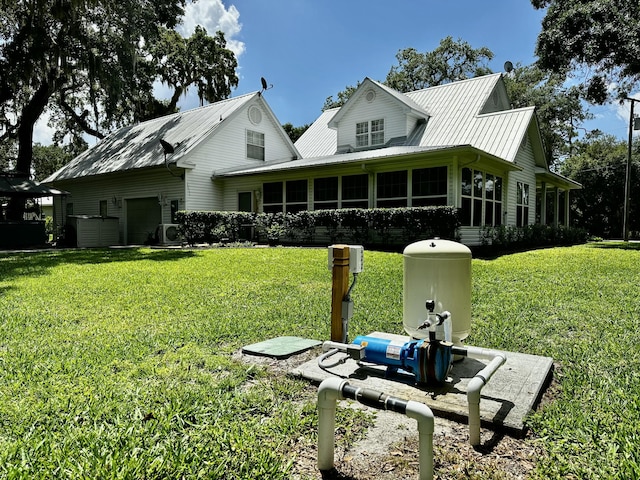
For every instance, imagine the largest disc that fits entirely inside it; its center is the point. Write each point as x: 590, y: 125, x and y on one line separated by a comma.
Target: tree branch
x: 80, y: 120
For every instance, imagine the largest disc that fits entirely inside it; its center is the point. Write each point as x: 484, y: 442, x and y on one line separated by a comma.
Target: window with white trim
x: 522, y: 204
x: 255, y: 145
x: 370, y: 133
x: 296, y: 196
x: 481, y: 198
x: 355, y: 191
x: 272, y: 197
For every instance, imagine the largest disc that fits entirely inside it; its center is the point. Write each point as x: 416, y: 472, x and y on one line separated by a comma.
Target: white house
x: 135, y: 177
x: 457, y: 144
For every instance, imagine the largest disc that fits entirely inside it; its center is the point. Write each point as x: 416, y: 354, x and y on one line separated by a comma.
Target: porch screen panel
x: 325, y: 193
x: 391, y: 189
x: 272, y: 197
x: 296, y: 196
x: 355, y: 191
x: 429, y: 186
x: 481, y: 198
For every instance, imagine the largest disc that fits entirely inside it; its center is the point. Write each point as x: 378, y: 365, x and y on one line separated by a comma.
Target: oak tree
x: 592, y: 40
x: 92, y: 65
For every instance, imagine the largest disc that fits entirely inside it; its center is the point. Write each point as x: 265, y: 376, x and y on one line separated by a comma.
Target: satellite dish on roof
x: 508, y: 66
x: 265, y: 86
x: 167, y: 147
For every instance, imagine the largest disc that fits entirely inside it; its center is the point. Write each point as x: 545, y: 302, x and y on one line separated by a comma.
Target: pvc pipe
x: 423, y: 414
x: 328, y: 394
x: 332, y: 389
x: 497, y: 359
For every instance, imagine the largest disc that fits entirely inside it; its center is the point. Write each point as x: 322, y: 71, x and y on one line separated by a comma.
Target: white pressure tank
x: 438, y: 270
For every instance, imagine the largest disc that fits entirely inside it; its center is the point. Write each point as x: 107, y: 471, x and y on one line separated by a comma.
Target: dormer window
x: 370, y: 133
x: 255, y: 145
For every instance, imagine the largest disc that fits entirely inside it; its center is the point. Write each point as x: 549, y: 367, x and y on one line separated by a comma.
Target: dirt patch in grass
x: 389, y: 449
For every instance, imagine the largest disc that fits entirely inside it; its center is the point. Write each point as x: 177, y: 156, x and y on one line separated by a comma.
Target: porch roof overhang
x: 23, y: 187
x: 367, y: 157
x: 556, y: 180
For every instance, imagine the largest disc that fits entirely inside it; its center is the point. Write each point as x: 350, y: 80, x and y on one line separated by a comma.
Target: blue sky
x: 312, y: 49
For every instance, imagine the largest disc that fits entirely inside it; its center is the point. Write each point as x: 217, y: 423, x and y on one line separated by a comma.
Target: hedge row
x: 510, y: 237
x: 384, y: 226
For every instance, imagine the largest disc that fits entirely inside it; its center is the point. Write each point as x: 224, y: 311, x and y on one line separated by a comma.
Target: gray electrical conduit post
x: 333, y: 389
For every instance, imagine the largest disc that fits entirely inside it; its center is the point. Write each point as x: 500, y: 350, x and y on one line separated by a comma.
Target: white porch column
x: 556, y: 207
x: 543, y: 204
x: 566, y: 207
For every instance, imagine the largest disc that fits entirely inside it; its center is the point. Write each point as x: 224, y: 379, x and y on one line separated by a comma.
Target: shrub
x: 511, y: 237
x: 330, y: 219
x: 391, y: 225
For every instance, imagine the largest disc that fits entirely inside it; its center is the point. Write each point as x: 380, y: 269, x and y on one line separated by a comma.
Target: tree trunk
x: 30, y: 115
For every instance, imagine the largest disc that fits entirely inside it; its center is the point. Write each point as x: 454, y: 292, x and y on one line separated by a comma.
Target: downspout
x: 496, y: 360
x: 333, y: 389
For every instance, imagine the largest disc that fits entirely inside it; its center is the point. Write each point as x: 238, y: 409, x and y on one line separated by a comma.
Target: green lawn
x: 120, y: 363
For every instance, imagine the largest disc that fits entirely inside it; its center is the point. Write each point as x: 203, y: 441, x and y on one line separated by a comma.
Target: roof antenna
x: 264, y: 86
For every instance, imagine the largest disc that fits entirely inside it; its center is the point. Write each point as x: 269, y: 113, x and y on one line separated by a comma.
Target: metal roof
x: 454, y: 118
x: 11, y: 186
x: 353, y: 157
x: 138, y: 146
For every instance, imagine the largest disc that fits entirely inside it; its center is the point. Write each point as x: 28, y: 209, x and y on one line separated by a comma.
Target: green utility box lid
x: 281, y: 347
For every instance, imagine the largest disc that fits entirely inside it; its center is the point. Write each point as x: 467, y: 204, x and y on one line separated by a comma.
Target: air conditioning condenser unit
x: 169, y: 234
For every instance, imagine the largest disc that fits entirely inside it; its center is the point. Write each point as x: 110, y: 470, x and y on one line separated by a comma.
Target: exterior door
x: 143, y: 217
x: 245, y: 204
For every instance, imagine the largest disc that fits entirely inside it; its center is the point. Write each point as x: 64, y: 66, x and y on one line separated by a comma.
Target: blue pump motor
x: 428, y: 360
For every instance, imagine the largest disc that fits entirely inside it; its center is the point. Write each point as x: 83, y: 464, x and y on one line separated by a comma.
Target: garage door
x: 143, y: 217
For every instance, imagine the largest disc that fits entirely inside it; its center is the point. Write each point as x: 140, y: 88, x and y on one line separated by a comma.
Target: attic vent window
x: 370, y: 96
x: 370, y: 133
x: 255, y: 115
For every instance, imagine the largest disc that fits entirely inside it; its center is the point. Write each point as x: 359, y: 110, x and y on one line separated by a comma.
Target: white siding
x: 525, y: 159
x: 228, y: 149
x: 87, y: 193
x: 382, y: 107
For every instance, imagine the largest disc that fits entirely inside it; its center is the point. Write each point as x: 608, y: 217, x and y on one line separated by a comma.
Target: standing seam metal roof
x: 138, y: 146
x: 454, y: 119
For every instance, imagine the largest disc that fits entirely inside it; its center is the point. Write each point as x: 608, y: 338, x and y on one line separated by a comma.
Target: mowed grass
x: 123, y: 363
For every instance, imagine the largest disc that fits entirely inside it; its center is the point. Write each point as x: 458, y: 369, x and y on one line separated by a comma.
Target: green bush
x: 511, y: 237
x: 357, y: 225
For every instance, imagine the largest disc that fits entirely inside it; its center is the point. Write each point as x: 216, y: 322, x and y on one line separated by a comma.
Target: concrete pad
x: 505, y: 400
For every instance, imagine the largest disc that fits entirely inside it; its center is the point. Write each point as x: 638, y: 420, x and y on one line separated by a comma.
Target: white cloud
x: 42, y: 132
x: 213, y: 16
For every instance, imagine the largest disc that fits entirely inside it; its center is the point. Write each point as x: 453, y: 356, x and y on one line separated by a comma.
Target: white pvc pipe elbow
x: 475, y: 386
x: 328, y: 394
x: 330, y: 391
x: 423, y: 414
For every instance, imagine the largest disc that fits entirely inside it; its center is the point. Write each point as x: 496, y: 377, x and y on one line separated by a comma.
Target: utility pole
x: 627, y: 178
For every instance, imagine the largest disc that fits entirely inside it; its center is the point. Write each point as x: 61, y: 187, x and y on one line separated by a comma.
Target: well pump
x: 428, y: 359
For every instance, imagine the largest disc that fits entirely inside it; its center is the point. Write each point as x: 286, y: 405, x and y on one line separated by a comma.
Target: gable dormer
x: 498, y: 99
x: 376, y: 116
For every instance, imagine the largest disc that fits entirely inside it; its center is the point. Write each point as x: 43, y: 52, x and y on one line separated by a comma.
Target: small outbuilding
x: 30, y: 231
